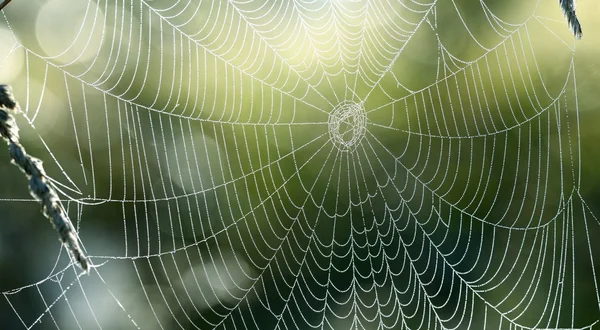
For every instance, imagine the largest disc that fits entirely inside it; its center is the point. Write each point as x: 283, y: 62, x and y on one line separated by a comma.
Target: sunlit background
x: 283, y: 164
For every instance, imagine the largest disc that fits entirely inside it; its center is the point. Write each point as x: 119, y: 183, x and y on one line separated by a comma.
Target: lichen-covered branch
x: 39, y: 185
x: 568, y: 8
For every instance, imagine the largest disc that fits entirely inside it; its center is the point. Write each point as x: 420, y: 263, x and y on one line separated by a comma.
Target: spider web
x: 328, y: 164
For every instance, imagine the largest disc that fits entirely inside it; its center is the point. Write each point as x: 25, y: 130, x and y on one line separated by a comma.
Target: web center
x: 347, y: 125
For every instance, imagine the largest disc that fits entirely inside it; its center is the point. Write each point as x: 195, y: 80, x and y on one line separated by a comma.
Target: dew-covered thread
x: 568, y: 8
x: 39, y: 185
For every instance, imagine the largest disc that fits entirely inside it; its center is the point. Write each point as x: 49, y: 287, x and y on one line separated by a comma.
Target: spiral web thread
x: 311, y: 164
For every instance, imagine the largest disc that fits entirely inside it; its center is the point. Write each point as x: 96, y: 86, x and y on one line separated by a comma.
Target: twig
x: 39, y: 185
x: 568, y: 8
x: 3, y: 3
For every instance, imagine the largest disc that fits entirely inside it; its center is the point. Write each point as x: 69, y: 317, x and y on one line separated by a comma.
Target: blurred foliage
x: 513, y: 163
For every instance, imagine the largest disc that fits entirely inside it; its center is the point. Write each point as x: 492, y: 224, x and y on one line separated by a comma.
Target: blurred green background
x: 193, y: 148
